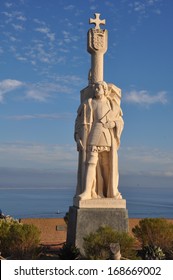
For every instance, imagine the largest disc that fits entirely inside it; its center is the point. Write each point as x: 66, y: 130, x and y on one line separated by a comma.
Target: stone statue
x: 98, y: 129
x: 98, y: 126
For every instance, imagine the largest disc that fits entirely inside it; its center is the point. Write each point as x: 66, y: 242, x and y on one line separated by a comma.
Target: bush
x: 68, y: 252
x: 97, y: 245
x: 18, y: 240
x: 155, y: 233
x: 169, y: 254
x: 152, y: 253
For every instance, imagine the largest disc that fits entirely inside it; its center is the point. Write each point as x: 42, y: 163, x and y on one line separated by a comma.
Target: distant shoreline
x: 45, y: 202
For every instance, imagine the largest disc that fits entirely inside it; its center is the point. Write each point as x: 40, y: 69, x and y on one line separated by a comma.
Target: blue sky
x: 44, y: 65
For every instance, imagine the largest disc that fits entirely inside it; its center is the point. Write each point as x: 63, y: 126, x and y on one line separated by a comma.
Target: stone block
x: 83, y: 221
x: 99, y: 203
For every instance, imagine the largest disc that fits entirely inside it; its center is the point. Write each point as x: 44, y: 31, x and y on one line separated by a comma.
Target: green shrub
x: 169, y: 254
x: 97, y: 245
x: 152, y: 253
x: 154, y: 232
x: 18, y: 240
x: 69, y: 252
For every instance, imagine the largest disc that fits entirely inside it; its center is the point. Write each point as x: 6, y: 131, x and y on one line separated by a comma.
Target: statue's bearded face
x: 99, y: 91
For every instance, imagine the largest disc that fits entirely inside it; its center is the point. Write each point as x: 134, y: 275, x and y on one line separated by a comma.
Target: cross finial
x: 97, y: 21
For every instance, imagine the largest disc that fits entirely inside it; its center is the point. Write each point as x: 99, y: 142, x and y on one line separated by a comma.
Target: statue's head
x: 101, y: 89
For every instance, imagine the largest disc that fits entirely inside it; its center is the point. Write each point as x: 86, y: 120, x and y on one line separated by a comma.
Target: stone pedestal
x: 99, y: 203
x: 83, y: 221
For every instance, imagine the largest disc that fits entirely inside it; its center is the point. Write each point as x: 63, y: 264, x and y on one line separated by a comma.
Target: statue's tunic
x: 99, y: 135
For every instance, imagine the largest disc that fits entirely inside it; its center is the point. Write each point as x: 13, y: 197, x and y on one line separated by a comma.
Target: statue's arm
x: 110, y: 124
x: 79, y: 143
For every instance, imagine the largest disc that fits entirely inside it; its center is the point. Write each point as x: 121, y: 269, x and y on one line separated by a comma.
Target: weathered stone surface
x: 86, y: 220
x: 99, y: 203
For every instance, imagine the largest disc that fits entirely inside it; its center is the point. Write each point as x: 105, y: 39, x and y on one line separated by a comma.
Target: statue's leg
x: 90, y: 175
x: 113, y: 188
x: 105, y: 170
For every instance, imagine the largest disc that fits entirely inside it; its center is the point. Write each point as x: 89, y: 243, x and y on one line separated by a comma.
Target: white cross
x: 97, y: 21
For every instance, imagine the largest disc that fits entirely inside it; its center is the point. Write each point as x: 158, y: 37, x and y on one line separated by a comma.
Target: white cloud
x: 36, y: 20
x: 68, y: 37
x: 93, y: 7
x: 42, y: 48
x: 143, y: 8
x: 37, y: 95
x: 8, y: 4
x: 52, y: 116
x: 32, y: 155
x: 139, y: 7
x: 13, y: 16
x: 61, y: 59
x: 69, y: 7
x: 20, y: 58
x: 152, y: 2
x: 69, y: 79
x: 39, y: 53
x: 169, y: 173
x: 8, y: 85
x: 43, y: 91
x: 51, y: 36
x: 11, y: 37
x: 133, y: 160
x: 146, y: 160
x: 18, y: 27
x: 144, y: 98
x: 21, y: 18
x: 157, y: 11
x: 8, y: 15
x: 46, y: 30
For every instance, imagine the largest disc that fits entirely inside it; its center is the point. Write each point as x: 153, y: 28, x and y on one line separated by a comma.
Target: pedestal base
x: 83, y: 221
x: 99, y: 203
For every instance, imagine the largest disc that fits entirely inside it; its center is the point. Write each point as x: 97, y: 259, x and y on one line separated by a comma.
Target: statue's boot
x: 89, y: 181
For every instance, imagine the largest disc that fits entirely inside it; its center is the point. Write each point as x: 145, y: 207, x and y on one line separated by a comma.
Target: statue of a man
x: 98, y: 129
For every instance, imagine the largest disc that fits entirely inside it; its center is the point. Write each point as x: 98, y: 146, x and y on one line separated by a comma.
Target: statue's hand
x: 109, y: 124
x: 80, y: 146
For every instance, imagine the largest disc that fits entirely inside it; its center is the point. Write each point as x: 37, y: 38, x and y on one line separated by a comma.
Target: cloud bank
x: 8, y: 85
x: 143, y: 97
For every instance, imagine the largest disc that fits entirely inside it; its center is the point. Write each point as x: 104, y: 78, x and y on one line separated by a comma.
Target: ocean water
x: 51, y: 203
